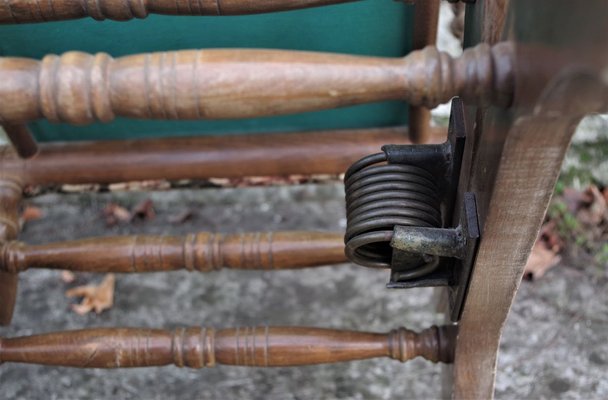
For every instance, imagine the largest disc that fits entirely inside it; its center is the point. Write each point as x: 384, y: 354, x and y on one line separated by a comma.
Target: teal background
x: 373, y: 27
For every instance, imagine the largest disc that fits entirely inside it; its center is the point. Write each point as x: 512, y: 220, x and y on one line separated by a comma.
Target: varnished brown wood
x: 516, y: 159
x: 22, y: 139
x: 201, y: 252
x: 21, y: 11
x: 426, y: 17
x: 10, y: 200
x: 306, y: 153
x: 80, y: 88
x: 205, y: 347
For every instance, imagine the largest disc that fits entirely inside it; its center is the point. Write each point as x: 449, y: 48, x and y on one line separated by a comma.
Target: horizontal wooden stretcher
x: 22, y: 11
x: 205, y: 347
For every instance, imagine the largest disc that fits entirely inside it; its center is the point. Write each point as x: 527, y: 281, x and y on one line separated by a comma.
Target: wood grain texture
x: 23, y: 11
x: 426, y: 18
x: 280, y: 154
x: 80, y: 88
x: 201, y: 252
x: 10, y: 201
x: 205, y: 347
x: 516, y: 159
x: 22, y: 139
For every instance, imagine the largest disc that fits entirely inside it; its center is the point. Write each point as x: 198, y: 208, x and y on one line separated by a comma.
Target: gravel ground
x: 555, y: 343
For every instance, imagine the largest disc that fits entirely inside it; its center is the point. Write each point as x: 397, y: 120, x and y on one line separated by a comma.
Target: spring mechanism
x: 380, y: 195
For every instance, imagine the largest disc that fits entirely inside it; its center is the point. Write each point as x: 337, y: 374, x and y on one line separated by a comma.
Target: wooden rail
x: 206, y: 347
x: 22, y: 11
x: 279, y: 154
x: 201, y: 252
x: 80, y: 88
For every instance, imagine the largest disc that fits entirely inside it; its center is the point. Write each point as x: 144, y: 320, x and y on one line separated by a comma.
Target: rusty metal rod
x: 201, y: 252
x: 306, y: 153
x: 198, y: 347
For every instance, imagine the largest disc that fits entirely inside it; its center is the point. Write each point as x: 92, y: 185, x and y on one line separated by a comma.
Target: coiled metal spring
x: 378, y: 197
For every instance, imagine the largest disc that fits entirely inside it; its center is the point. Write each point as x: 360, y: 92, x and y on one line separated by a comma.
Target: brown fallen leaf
x: 181, y: 216
x: 67, y: 276
x: 95, y: 297
x: 144, y: 210
x: 82, y: 188
x: 114, y: 214
x: 140, y: 185
x: 540, y: 261
x: 549, y: 234
x: 272, y: 180
x: 596, y: 210
x: 574, y: 199
x: 31, y: 213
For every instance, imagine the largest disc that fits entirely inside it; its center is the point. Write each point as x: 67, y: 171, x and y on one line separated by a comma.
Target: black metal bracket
x: 455, y: 247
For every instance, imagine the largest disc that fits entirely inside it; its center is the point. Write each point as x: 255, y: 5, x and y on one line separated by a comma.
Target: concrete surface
x: 555, y: 344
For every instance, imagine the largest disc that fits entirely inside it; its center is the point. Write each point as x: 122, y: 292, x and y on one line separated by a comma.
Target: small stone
x: 558, y: 385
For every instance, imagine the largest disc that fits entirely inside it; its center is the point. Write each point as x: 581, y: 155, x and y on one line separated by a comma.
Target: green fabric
x: 372, y: 27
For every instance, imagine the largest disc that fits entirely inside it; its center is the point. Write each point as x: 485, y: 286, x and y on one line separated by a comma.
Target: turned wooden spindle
x: 201, y: 252
x: 81, y: 88
x: 10, y: 201
x: 22, y: 11
x: 205, y: 347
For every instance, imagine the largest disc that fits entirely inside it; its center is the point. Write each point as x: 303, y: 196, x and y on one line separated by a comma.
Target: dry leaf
x: 67, y: 276
x: 573, y: 199
x: 144, y: 210
x: 550, y: 235
x: 596, y: 211
x: 140, y: 185
x: 181, y: 217
x: 272, y: 180
x: 115, y: 214
x: 31, y: 213
x: 540, y: 261
x: 89, y: 187
x: 95, y: 297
